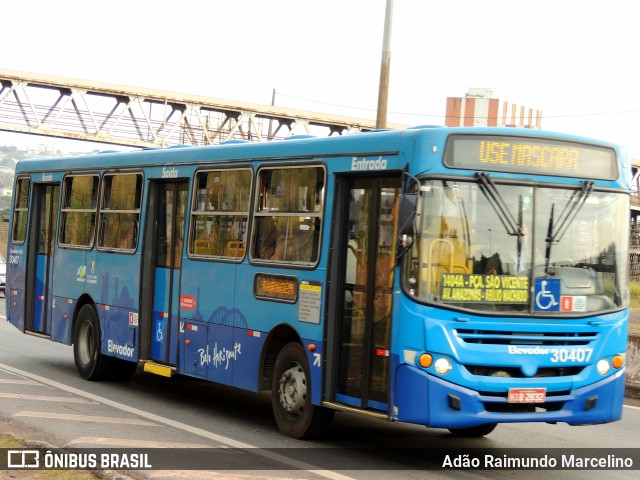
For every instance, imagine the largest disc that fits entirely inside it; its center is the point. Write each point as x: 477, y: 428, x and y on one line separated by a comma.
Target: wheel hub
x: 85, y: 343
x: 293, y: 389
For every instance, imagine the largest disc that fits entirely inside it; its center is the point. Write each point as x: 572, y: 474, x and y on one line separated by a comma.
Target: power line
x: 568, y: 115
x: 351, y: 107
x: 593, y: 114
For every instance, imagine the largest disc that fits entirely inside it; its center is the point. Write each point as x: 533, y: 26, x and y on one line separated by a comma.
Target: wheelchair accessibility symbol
x: 158, y: 330
x: 547, y: 295
x: 159, y: 335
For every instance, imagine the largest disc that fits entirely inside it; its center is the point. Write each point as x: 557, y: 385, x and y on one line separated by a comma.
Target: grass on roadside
x: 9, y: 441
x: 634, y: 291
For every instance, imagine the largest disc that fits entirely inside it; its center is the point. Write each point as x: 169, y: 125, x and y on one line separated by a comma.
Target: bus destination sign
x: 472, y: 288
x: 542, y: 156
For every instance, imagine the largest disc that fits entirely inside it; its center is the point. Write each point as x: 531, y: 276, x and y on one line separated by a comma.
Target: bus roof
x: 385, y: 142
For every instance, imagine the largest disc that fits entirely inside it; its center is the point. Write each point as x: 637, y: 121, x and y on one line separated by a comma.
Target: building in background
x: 479, y: 109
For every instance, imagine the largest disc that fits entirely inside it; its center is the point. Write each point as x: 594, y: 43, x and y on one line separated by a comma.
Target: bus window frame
x: 63, y: 210
x: 257, y: 212
x: 195, y: 213
x: 101, y: 212
x: 25, y: 209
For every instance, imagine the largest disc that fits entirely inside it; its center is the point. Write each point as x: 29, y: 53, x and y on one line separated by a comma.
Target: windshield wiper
x: 519, y: 241
x: 489, y: 190
x: 555, y: 232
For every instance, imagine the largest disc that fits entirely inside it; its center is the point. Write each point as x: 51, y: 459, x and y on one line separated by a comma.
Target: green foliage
x: 634, y: 291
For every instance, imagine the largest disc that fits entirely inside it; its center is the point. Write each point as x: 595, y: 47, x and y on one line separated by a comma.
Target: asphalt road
x: 42, y: 398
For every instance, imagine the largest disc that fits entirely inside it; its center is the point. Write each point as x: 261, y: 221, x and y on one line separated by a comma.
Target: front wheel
x: 295, y: 415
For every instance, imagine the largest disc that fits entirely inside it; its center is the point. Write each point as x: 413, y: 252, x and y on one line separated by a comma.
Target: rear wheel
x: 295, y: 415
x: 90, y: 363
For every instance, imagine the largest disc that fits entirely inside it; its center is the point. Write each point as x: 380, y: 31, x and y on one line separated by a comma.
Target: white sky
x: 577, y: 61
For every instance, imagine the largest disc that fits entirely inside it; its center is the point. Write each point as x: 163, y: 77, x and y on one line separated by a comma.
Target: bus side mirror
x: 408, y: 209
x: 408, y: 212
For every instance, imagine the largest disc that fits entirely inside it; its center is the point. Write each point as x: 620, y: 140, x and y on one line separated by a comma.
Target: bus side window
x: 220, y: 213
x: 20, y: 211
x: 120, y: 211
x: 79, y: 207
x: 288, y: 217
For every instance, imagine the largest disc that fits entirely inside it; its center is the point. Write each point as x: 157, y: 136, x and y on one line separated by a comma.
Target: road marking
x: 205, y: 475
x: 182, y: 426
x: 44, y: 398
x: 18, y: 382
x: 632, y: 406
x: 121, y: 442
x: 86, y: 418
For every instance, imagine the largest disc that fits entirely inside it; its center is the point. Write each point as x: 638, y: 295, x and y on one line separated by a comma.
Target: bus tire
x: 295, y: 415
x: 90, y: 363
x: 478, y: 431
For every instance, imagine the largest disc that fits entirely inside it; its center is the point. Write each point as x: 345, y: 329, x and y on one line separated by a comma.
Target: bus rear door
x: 39, y: 271
x: 366, y: 242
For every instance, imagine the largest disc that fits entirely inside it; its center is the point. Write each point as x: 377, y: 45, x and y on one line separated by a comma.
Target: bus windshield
x: 509, y: 248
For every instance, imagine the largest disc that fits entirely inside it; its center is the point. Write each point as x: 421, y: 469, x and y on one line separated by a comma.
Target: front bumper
x: 432, y: 401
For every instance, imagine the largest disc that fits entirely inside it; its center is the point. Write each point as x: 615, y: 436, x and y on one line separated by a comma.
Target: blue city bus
x: 455, y: 278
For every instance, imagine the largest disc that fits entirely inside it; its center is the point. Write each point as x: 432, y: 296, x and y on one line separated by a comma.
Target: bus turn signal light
x: 617, y: 361
x: 425, y: 360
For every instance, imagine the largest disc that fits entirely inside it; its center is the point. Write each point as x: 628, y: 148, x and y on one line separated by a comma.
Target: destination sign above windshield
x: 503, y: 153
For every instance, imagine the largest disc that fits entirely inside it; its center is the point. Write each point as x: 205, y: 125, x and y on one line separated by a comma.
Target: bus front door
x: 39, y: 298
x: 367, y: 241
x: 168, y: 239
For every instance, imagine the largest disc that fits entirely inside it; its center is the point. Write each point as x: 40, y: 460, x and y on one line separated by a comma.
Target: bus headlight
x: 443, y: 366
x: 603, y: 367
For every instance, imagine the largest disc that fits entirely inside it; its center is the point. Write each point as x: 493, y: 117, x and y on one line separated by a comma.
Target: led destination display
x: 530, y: 155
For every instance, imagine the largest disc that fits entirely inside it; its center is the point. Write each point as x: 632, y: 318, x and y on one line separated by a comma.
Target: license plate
x: 527, y: 395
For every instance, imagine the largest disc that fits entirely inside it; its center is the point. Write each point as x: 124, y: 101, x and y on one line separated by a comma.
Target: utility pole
x: 383, y: 90
x: 273, y: 102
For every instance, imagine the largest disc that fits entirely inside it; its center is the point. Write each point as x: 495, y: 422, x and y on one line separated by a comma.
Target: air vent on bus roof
x: 234, y: 141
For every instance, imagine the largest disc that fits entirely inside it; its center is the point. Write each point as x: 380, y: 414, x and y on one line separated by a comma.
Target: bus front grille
x: 516, y: 372
x: 497, y: 337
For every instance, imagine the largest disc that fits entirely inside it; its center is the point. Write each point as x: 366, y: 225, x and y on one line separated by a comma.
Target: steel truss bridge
x: 115, y: 114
